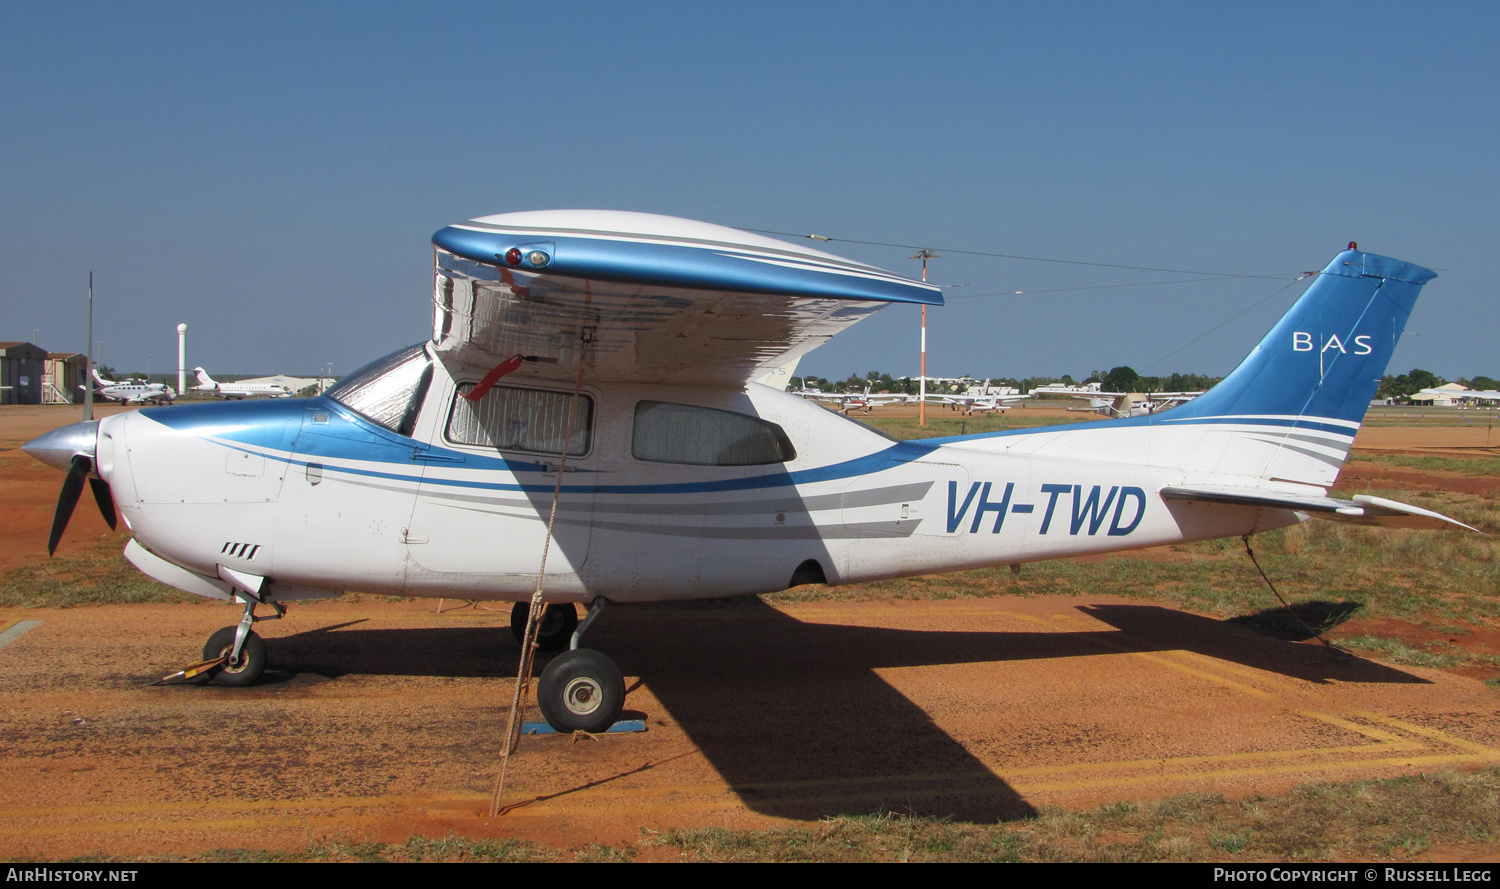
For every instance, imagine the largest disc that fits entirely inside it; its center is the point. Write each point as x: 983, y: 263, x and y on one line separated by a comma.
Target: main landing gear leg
x: 582, y: 690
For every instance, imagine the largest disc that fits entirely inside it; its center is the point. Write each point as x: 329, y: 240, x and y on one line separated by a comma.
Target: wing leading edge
x: 654, y: 298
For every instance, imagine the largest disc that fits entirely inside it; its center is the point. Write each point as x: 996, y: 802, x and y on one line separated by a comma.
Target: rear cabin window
x: 701, y: 436
x: 512, y: 419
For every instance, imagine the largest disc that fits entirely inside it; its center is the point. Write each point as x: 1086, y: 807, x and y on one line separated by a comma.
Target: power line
x: 1102, y: 265
x: 1090, y: 287
x: 1227, y: 320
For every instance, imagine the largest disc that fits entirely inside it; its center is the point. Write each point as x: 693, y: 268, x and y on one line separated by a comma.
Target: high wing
x: 646, y: 298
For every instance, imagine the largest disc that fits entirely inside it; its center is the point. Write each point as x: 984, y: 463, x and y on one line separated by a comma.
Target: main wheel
x: 243, y: 671
x: 556, y: 630
x: 581, y: 690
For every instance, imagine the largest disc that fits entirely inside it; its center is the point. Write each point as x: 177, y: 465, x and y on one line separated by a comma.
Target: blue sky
x: 271, y: 174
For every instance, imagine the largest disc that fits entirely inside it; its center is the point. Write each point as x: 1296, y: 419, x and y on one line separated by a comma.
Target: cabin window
x: 389, y: 390
x: 511, y: 419
x: 701, y: 436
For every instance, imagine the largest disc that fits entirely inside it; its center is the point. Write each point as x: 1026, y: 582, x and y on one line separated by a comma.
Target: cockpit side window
x: 388, y: 391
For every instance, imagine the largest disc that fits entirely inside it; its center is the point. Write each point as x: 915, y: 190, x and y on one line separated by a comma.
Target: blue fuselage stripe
x: 275, y: 430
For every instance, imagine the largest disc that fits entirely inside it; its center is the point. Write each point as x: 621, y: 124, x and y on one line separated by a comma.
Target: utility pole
x: 924, y: 254
x: 88, y: 369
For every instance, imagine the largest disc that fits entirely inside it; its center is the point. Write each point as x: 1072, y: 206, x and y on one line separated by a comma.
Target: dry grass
x: 97, y: 575
x: 942, y: 424
x: 1398, y: 415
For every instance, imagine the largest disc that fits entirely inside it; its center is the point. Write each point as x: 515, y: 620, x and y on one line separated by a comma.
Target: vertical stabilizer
x: 1325, y: 358
x: 1290, y: 410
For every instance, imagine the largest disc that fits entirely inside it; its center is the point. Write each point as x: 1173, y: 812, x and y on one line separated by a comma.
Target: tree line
x: 1120, y: 379
x: 1123, y: 379
x: 1408, y: 384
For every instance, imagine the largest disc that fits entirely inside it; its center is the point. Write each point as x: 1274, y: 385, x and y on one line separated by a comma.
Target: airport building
x: 22, y: 369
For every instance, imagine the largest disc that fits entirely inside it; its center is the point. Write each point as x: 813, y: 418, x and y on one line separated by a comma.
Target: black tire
x: 582, y: 691
x: 240, y: 673
x: 558, y: 623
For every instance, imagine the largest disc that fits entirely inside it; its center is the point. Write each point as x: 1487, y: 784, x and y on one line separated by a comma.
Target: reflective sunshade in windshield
x: 388, y: 391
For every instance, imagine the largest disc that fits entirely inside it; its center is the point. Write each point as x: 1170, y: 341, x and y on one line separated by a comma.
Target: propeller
x: 78, y: 470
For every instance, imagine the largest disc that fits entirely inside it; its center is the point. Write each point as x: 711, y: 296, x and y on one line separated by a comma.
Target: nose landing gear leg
x: 235, y: 656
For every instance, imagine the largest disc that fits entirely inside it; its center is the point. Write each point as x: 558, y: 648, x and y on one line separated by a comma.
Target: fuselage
x: 129, y: 393
x: 208, y: 384
x: 668, y: 492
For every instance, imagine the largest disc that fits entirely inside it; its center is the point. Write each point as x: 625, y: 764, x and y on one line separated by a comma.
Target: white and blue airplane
x: 601, y: 362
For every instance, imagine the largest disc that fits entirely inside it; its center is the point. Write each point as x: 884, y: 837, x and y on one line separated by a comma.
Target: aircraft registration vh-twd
x: 587, y: 404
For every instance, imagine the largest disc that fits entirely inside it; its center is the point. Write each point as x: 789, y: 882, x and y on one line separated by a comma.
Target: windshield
x: 388, y: 391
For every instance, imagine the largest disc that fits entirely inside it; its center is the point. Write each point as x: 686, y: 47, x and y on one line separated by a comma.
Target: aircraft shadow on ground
x: 792, y: 714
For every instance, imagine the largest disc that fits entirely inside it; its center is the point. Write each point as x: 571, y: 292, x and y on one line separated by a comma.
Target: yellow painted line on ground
x: 1366, y: 730
x: 1286, y: 684
x: 1026, y: 788
x: 1172, y: 663
x: 1160, y: 659
x: 1433, y: 733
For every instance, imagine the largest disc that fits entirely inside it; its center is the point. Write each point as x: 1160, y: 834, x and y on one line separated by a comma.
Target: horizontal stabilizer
x: 1362, y: 510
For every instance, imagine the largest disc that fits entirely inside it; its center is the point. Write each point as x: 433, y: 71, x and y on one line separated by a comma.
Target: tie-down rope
x: 534, y: 616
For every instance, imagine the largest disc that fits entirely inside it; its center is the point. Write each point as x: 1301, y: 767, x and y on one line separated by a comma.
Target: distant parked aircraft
x: 133, y: 391
x: 1119, y: 404
x: 980, y: 400
x: 207, y: 383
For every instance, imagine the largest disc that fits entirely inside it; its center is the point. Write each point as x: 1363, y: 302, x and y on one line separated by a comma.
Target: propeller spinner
x: 72, y: 448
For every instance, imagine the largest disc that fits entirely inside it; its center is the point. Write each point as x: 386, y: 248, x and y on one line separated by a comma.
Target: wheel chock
x: 197, y: 669
x: 621, y: 727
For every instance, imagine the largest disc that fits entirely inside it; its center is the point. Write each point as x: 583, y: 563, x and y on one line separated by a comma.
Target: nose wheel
x: 235, y: 672
x: 234, y: 656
